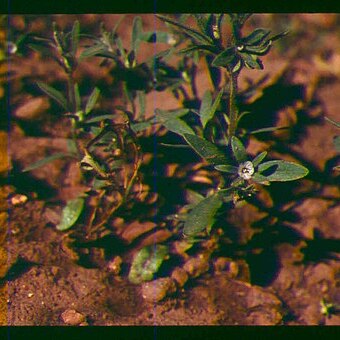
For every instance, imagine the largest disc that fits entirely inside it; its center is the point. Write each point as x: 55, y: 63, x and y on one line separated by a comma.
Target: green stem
x: 233, y: 108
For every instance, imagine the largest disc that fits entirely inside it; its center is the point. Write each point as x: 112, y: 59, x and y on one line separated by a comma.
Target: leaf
x: 99, y: 118
x: 239, y: 151
x: 207, y: 110
x: 259, y: 158
x: 201, y: 217
x: 269, y: 129
x: 157, y: 36
x: 162, y: 115
x: 178, y: 126
x: 77, y: 98
x: 226, y: 168
x: 45, y: 161
x: 197, y: 36
x: 75, y: 37
x: 141, y: 101
x: 91, y: 102
x: 54, y: 94
x: 137, y: 127
x: 251, y: 61
x: 207, y: 48
x: 71, y: 213
x: 256, y: 37
x: 333, y: 122
x: 92, y: 51
x: 147, y: 262
x: 204, y: 111
x: 224, y: 58
x: 193, y: 197
x: 281, y: 171
x: 137, y: 29
x: 336, y: 142
x: 206, y: 150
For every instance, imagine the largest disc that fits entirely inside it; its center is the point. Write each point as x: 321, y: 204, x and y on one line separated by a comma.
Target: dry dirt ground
x: 293, y: 264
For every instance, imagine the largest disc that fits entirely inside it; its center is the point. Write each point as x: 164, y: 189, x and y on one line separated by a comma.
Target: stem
x: 233, y: 108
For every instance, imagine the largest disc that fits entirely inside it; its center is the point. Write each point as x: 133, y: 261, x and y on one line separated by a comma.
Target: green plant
x: 107, y: 145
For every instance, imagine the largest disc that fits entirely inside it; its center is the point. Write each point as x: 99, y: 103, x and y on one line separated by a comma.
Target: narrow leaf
x: 201, y: 217
x: 336, y: 142
x: 224, y: 58
x: 92, y: 51
x: 269, y: 129
x: 54, y: 94
x: 205, y: 107
x: 71, y: 213
x: 136, y: 31
x: 45, y: 161
x: 281, y: 171
x: 206, y: 150
x: 239, y: 151
x: 91, y: 102
x: 100, y: 118
x: 137, y: 127
x: 141, y: 101
x: 333, y: 122
x: 178, y: 126
x: 197, y: 36
x: 75, y: 37
x: 259, y: 158
x: 251, y: 61
x: 162, y: 115
x: 256, y: 37
x: 147, y: 262
x: 226, y: 168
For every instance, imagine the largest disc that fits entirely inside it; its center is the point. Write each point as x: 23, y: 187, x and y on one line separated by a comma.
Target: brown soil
x: 294, y: 261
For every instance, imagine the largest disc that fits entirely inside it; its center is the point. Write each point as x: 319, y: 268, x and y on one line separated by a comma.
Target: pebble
x: 196, y: 266
x: 180, y: 276
x: 72, y: 317
x: 157, y: 290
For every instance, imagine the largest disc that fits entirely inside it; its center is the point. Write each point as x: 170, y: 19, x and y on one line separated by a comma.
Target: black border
x: 167, y: 6
x: 171, y: 333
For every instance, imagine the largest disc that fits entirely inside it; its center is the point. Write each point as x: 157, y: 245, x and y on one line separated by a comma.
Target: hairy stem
x: 233, y: 108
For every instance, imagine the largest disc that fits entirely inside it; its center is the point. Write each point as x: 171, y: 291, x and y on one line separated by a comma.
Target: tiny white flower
x: 246, y: 170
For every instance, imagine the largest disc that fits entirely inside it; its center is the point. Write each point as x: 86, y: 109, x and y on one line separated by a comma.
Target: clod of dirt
x: 114, y: 266
x: 225, y: 265
x: 72, y: 317
x: 196, y: 266
x: 157, y: 290
x: 180, y: 276
x: 32, y: 108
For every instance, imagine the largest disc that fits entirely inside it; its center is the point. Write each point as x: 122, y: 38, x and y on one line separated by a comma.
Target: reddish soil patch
x: 289, y: 263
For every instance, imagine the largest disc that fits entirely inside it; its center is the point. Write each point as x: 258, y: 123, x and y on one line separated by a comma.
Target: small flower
x: 246, y: 170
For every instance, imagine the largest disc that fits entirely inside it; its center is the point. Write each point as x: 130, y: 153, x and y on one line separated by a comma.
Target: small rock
x: 224, y: 264
x: 157, y: 290
x: 180, y: 276
x: 196, y: 266
x: 72, y: 317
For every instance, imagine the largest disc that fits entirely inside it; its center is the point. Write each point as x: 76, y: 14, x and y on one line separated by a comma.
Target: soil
x: 287, y: 262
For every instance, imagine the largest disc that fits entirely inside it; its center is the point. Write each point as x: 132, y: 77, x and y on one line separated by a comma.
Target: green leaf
x: 333, y: 122
x: 259, y: 158
x: 137, y: 29
x: 226, y: 168
x: 259, y: 50
x: 207, y: 110
x: 206, y: 150
x: 157, y: 36
x: 197, y: 36
x: 54, y: 94
x: 71, y: 213
x: 77, y: 98
x: 193, y: 197
x: 178, y: 126
x: 201, y: 217
x: 336, y: 142
x: 75, y: 37
x: 45, y: 161
x: 256, y: 37
x: 281, y: 171
x: 162, y: 115
x: 224, y: 58
x: 99, y: 118
x: 91, y: 102
x: 260, y: 179
x: 92, y: 51
x: 269, y: 129
x: 137, y: 127
x: 147, y: 262
x: 207, y: 48
x: 251, y: 61
x: 205, y: 107
x: 239, y: 151
x: 141, y: 101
